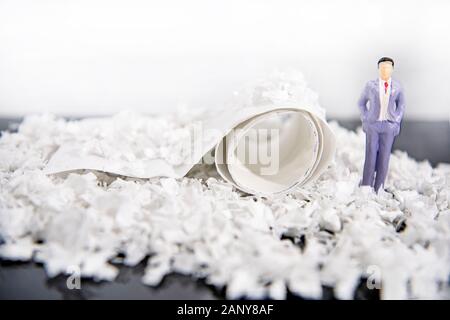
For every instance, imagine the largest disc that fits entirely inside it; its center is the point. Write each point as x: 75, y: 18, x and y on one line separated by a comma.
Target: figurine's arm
x: 398, y: 114
x: 362, y: 102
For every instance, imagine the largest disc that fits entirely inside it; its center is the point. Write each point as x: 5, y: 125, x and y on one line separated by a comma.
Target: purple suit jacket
x: 371, y: 94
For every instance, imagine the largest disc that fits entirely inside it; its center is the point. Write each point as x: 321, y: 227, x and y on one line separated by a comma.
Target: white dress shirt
x: 384, y: 99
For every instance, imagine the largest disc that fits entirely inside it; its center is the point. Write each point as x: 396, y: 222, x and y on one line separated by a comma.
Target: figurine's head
x: 385, y: 68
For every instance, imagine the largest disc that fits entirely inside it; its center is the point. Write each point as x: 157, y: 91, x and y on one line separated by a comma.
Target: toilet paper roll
x: 257, y: 162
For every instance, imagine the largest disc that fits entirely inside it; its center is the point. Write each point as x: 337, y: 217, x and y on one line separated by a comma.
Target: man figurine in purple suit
x: 381, y: 119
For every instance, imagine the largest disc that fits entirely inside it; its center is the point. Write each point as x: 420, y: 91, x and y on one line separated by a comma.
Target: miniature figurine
x: 381, y: 121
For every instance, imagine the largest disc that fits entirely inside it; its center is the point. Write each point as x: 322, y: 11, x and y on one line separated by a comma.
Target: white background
x: 98, y: 57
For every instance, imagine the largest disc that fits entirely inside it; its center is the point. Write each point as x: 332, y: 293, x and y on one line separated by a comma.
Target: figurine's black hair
x: 384, y: 59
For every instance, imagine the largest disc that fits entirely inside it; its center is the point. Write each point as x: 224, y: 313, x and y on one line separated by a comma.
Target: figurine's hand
x: 364, y: 117
x: 364, y: 126
x: 395, y: 127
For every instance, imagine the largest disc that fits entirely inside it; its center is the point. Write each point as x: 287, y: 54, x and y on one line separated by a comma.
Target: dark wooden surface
x: 422, y: 140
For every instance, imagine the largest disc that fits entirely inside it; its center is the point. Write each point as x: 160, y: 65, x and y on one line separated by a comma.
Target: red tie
x: 386, y: 85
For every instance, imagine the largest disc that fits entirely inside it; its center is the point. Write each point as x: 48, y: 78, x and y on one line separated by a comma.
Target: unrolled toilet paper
x: 260, y: 150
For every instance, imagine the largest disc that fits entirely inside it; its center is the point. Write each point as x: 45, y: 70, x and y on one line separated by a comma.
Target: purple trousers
x: 380, y: 136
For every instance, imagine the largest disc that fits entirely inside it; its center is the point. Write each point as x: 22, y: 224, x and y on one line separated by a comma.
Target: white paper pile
x: 202, y: 226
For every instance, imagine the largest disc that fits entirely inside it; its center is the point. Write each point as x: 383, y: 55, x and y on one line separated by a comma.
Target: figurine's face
x: 385, y: 70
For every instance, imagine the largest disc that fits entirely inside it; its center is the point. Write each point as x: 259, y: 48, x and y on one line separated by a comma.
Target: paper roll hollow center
x: 272, y: 152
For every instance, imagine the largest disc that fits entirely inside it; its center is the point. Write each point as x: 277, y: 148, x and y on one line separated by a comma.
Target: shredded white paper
x: 327, y: 233
x: 331, y: 232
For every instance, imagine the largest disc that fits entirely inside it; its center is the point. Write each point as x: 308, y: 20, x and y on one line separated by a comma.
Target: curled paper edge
x: 328, y: 145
